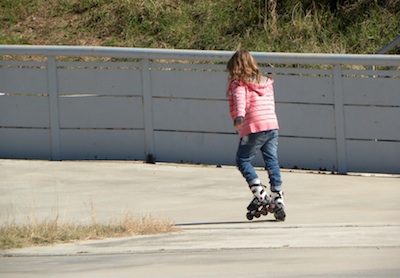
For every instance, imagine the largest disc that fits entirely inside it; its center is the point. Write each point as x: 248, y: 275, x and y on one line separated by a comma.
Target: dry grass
x: 48, y: 232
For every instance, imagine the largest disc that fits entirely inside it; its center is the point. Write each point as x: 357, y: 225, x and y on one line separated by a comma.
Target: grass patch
x: 54, y: 231
x: 325, y: 26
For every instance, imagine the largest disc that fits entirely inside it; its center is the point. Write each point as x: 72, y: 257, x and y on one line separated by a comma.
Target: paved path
x: 336, y: 226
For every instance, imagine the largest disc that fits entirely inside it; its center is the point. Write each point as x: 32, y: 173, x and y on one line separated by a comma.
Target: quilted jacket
x: 255, y: 103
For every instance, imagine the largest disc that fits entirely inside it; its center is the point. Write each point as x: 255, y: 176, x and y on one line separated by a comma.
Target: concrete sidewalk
x: 347, y: 226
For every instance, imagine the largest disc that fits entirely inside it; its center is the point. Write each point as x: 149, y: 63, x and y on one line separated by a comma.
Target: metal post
x: 148, y: 111
x: 339, y: 120
x: 52, y: 89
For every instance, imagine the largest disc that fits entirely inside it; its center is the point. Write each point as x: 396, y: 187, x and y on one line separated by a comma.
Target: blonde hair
x: 243, y: 68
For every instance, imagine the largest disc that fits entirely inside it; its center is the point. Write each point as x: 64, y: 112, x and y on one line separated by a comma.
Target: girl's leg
x: 270, y: 155
x: 248, y: 147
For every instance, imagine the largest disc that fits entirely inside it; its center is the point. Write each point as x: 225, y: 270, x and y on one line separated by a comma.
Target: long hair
x: 243, y: 68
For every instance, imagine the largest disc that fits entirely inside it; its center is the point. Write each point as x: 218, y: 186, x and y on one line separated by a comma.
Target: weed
x: 54, y: 231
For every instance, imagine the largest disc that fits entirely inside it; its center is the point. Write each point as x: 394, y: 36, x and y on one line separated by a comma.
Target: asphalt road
x: 336, y: 226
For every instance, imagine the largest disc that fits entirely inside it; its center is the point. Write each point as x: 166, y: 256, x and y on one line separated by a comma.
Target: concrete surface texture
x: 336, y: 226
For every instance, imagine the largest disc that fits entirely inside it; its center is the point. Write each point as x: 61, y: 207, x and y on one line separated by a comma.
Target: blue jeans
x: 267, y: 142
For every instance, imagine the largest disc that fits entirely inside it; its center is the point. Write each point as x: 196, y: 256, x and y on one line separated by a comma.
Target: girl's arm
x: 239, y: 106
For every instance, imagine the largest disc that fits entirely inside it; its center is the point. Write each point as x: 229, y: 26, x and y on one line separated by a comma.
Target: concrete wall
x: 171, y: 104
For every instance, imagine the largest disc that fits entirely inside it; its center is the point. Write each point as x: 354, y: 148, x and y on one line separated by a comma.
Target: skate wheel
x: 280, y: 215
x: 249, y: 216
x: 257, y: 216
x: 272, y: 208
x: 264, y: 210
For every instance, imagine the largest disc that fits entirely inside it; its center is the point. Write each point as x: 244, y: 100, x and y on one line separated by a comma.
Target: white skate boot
x: 277, y: 206
x: 260, y: 192
x: 259, y: 204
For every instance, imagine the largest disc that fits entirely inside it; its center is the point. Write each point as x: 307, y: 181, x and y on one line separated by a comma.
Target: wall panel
x: 25, y: 143
x: 30, y: 81
x: 24, y: 111
x: 102, y: 144
x: 189, y: 84
x: 99, y: 81
x: 101, y: 112
x: 372, y: 122
x: 383, y: 157
x: 192, y: 115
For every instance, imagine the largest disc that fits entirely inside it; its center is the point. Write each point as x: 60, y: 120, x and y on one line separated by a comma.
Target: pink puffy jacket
x: 255, y: 103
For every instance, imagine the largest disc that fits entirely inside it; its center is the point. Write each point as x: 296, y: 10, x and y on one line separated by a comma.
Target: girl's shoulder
x: 266, y: 79
x: 234, y: 83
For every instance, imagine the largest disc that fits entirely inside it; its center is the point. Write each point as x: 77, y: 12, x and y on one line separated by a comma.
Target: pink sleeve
x: 239, y: 100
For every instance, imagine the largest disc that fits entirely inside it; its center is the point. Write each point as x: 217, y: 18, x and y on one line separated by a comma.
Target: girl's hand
x: 238, y: 123
x: 238, y: 127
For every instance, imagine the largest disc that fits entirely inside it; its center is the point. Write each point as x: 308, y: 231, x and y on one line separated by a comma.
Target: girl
x: 252, y: 108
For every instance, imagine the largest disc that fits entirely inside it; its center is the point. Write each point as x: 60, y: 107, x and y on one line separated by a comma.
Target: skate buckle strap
x: 277, y: 197
x: 259, y: 192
